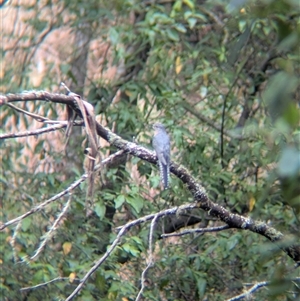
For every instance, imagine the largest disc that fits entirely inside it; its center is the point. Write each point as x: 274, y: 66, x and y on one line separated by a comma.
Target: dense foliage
x: 223, y: 76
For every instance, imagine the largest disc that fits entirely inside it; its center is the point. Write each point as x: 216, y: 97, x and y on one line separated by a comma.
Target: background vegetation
x: 223, y: 76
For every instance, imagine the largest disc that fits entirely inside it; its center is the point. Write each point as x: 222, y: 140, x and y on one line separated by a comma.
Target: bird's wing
x: 162, y: 158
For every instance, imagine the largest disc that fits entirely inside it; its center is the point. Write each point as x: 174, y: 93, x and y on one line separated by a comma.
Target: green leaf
x: 26, y: 224
x: 188, y: 14
x: 177, y: 5
x: 189, y: 3
x: 136, y: 202
x: 113, y: 36
x: 181, y: 28
x: 233, y: 241
x: 192, y: 22
x: 172, y: 34
x: 201, y: 285
x: 100, y: 209
x: 238, y: 45
x: 200, y: 17
x: 131, y: 249
x: 119, y: 201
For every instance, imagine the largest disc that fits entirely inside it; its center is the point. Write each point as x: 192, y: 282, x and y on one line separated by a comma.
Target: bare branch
x: 59, y: 125
x: 50, y: 233
x: 35, y: 116
x: 150, y: 259
x: 254, y: 288
x: 201, y: 230
x: 32, y: 133
x: 46, y: 283
x: 13, y: 241
x: 250, y: 291
x: 37, y: 95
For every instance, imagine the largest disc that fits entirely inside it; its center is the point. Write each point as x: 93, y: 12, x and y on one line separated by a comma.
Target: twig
x: 35, y: 116
x: 50, y: 233
x: 46, y: 283
x: 200, y: 230
x: 254, y: 288
x: 58, y: 124
x: 250, y: 291
x: 13, y: 241
x: 150, y: 259
x: 33, y: 133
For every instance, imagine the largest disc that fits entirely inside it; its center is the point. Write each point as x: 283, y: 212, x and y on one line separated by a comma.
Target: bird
x: 161, y: 145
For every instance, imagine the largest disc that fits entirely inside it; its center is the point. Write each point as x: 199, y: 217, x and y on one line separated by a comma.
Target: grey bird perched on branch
x: 161, y: 145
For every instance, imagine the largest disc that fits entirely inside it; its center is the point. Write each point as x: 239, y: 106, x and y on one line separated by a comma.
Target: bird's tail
x: 164, y: 174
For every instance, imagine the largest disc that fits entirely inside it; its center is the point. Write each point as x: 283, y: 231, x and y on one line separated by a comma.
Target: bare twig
x: 250, y: 291
x: 35, y: 116
x: 254, y: 288
x: 191, y: 231
x: 32, y: 133
x: 150, y: 259
x: 46, y: 283
x: 13, y: 241
x: 60, y: 125
x: 50, y: 233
